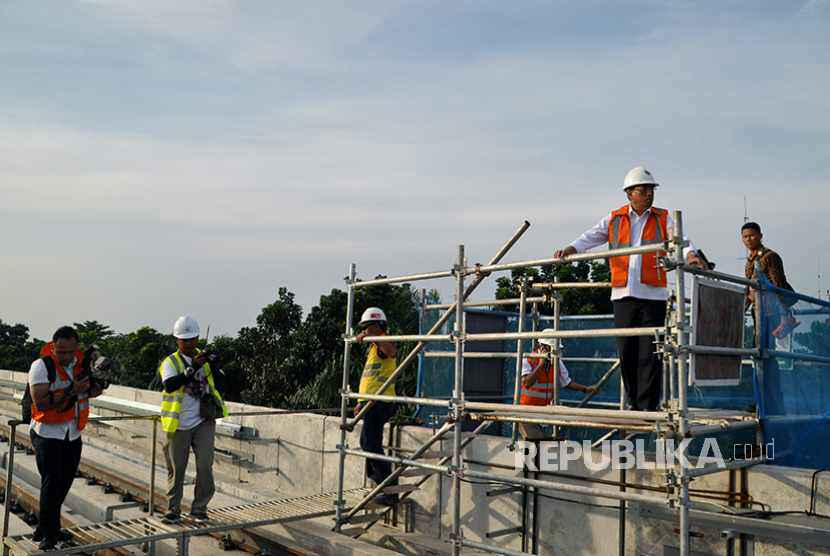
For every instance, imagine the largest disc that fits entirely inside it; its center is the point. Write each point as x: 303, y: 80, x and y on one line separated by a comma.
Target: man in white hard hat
x: 190, y: 403
x: 380, y: 364
x: 638, y: 282
x: 537, y: 384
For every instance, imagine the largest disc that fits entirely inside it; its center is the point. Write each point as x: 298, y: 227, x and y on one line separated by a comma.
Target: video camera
x: 94, y: 366
x: 208, y: 356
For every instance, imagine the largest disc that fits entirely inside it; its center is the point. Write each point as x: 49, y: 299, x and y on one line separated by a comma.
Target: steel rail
x: 494, y: 336
x: 568, y: 285
x: 593, y: 255
x: 491, y: 303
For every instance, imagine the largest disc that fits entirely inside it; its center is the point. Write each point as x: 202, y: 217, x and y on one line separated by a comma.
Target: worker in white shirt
x: 638, y: 282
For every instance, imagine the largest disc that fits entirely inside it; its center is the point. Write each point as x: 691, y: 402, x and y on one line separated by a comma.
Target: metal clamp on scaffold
x: 668, y: 263
x: 479, y: 273
x: 456, y: 471
x: 661, y: 429
x: 457, y: 540
x: 670, y: 483
x: 456, y: 410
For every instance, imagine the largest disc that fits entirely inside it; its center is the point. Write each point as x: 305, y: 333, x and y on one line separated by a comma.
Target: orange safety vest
x: 619, y: 236
x: 62, y: 380
x: 541, y: 393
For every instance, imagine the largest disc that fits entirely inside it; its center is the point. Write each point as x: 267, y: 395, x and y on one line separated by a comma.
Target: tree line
x: 286, y: 359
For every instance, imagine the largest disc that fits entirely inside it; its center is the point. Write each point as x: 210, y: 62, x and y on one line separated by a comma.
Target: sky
x: 160, y: 158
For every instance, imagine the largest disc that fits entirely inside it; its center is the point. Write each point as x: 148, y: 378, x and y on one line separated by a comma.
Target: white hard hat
x: 186, y: 328
x: 638, y: 176
x: 372, y: 314
x: 548, y: 341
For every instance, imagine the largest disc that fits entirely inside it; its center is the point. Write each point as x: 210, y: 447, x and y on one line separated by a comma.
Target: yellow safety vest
x: 375, y: 373
x: 171, y: 402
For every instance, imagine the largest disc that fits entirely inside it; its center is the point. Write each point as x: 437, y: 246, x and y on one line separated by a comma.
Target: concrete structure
x: 296, y: 454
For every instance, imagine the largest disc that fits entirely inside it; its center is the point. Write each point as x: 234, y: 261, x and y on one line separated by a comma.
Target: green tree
x: 234, y: 382
x: 817, y: 340
x: 264, y: 352
x: 17, y: 350
x: 92, y: 332
x: 319, y: 342
x: 581, y: 301
x: 137, y: 356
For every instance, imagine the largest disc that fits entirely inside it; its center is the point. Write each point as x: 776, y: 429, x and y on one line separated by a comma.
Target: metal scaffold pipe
x: 615, y: 414
x: 496, y: 336
x: 594, y: 255
x: 568, y: 285
x: 490, y: 303
x: 520, y: 325
x: 399, y: 399
x: 458, y: 397
x: 681, y: 330
x: 564, y: 487
x: 409, y: 278
x: 557, y: 346
x: 591, y: 333
x: 344, y: 399
x: 412, y: 355
x: 397, y: 472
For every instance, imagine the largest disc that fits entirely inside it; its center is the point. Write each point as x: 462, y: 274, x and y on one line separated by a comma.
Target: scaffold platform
x: 111, y: 534
x: 701, y: 421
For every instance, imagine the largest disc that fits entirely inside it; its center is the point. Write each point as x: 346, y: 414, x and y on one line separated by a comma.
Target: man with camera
x: 60, y: 386
x: 190, y: 403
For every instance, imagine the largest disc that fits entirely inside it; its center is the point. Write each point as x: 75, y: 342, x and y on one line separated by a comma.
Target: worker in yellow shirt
x: 380, y: 364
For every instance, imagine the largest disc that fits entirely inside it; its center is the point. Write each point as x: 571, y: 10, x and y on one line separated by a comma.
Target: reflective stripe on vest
x: 619, y: 237
x: 541, y: 393
x: 79, y: 411
x: 375, y: 372
x: 171, y: 402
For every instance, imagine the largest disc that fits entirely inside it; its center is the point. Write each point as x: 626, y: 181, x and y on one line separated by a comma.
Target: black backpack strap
x: 50, y: 368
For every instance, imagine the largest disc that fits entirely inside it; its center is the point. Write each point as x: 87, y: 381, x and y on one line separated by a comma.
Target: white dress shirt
x: 68, y: 430
x: 598, y: 235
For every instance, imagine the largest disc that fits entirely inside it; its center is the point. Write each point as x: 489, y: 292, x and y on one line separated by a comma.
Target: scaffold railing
x: 676, y: 419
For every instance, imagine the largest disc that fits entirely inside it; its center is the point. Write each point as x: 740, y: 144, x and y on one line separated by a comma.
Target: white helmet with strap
x: 373, y: 314
x: 639, y: 176
x: 186, y: 328
x: 548, y: 341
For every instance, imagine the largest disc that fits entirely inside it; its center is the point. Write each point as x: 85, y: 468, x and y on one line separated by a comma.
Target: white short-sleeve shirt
x: 564, y: 376
x: 189, y: 416
x: 38, y: 374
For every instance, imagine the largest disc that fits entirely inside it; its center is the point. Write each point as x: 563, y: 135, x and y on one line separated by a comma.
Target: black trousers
x: 371, y: 439
x: 57, y: 463
x: 642, y: 369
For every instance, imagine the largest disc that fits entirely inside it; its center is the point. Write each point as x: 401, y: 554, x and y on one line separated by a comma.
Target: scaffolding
x: 674, y: 420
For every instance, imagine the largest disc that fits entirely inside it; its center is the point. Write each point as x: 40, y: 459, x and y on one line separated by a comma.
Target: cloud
x: 204, y: 153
